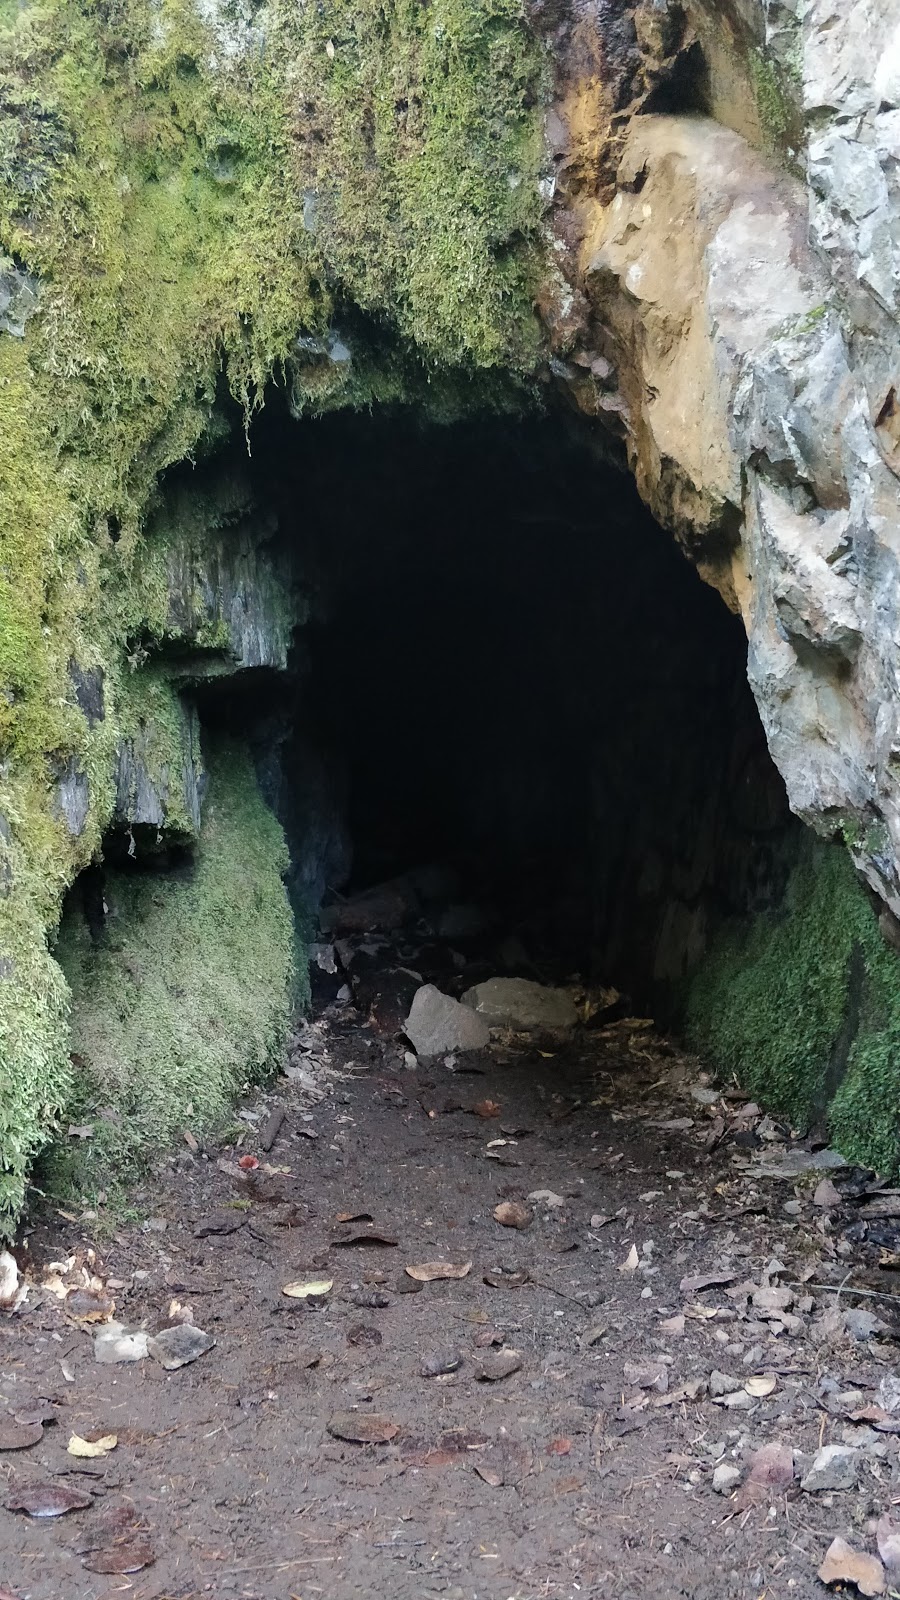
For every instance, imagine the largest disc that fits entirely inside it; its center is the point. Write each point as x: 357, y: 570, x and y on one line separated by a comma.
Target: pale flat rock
x: 518, y: 1003
x: 438, y: 1023
x: 177, y: 1346
x: 113, y: 1344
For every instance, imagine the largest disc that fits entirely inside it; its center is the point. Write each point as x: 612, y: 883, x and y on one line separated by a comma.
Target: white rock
x: 438, y: 1023
x: 725, y: 1478
x: 518, y: 1003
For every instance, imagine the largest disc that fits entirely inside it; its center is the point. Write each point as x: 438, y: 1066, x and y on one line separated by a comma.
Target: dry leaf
x: 430, y: 1271
x: 329, y: 49
x: 312, y: 1286
x: 559, y: 1447
x: 498, y: 1364
x: 19, y: 1436
x: 512, y: 1214
x: 91, y: 1449
x: 487, y: 1108
x: 706, y: 1280
x: 843, y: 1564
x: 48, y: 1500
x: 121, y: 1558
x: 761, y: 1384
x: 360, y: 1427
x: 887, y: 1535
x: 89, y: 1305
x: 364, y: 1236
x: 632, y: 1260
x: 354, y: 1216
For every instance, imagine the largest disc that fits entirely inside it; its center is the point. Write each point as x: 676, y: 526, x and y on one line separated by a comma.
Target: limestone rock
x: 726, y: 1477
x: 518, y: 1003
x: 835, y: 1466
x: 438, y: 1023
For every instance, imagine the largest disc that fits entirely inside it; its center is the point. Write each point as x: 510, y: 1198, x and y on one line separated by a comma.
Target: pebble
x: 725, y: 1478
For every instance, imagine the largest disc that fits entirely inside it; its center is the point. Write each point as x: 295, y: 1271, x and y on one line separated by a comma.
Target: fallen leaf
x: 559, y: 1447
x: 360, y: 1335
x: 887, y: 1535
x: 92, y: 1449
x: 843, y: 1564
x: 89, y: 1305
x: 310, y: 1286
x: 48, y: 1499
x: 431, y: 1271
x: 19, y: 1436
x: 512, y: 1214
x: 706, y: 1280
x: 487, y: 1108
x: 354, y: 1216
x: 37, y: 1411
x: 362, y: 1427
x: 546, y: 1197
x: 498, y: 1364
x: 440, y: 1363
x: 363, y: 1236
x: 761, y: 1384
x: 190, y: 1141
x: 506, y: 1461
x: 120, y: 1559
x: 592, y: 1336
x: 248, y: 1163
x: 506, y: 1280
x: 632, y: 1260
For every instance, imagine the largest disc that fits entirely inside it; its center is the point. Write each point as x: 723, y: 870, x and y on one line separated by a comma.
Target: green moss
x: 186, y: 210
x: 770, y: 100
x: 804, y: 1005
x: 187, y: 998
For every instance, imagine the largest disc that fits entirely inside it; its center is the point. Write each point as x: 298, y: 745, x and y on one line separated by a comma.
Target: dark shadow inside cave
x: 510, y: 669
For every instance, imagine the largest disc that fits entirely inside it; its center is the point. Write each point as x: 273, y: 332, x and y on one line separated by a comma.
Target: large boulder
x: 525, y: 1006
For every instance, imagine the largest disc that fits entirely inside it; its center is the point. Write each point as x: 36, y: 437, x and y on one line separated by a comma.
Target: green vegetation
x: 191, y: 198
x: 186, y: 999
x: 804, y: 1003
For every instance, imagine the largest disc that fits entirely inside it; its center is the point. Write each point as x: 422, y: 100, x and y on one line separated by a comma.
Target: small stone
x: 722, y: 1383
x: 835, y: 1466
x: 725, y: 1478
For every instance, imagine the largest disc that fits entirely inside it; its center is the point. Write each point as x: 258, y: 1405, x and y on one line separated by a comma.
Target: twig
x: 841, y: 1288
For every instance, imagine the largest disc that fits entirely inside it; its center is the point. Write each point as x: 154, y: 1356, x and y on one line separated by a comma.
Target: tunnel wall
x: 802, y: 1003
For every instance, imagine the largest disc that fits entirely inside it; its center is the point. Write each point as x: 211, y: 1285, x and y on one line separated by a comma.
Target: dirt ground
x: 585, y: 1471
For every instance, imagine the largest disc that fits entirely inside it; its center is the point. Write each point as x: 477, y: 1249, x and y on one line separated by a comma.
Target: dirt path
x: 588, y: 1470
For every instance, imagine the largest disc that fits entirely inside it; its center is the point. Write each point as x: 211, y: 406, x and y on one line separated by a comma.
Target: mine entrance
x: 508, y: 670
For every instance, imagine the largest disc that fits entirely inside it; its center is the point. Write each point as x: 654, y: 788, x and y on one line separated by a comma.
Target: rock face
x: 735, y: 321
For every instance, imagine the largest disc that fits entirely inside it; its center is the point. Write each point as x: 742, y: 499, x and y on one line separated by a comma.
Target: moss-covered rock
x: 804, y: 1005
x: 185, y: 998
x: 184, y: 189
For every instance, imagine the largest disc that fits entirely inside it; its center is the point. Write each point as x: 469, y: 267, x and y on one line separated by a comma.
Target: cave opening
x: 507, y: 670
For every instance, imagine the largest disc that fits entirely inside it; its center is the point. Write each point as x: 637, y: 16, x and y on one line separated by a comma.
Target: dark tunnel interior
x: 509, y: 669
